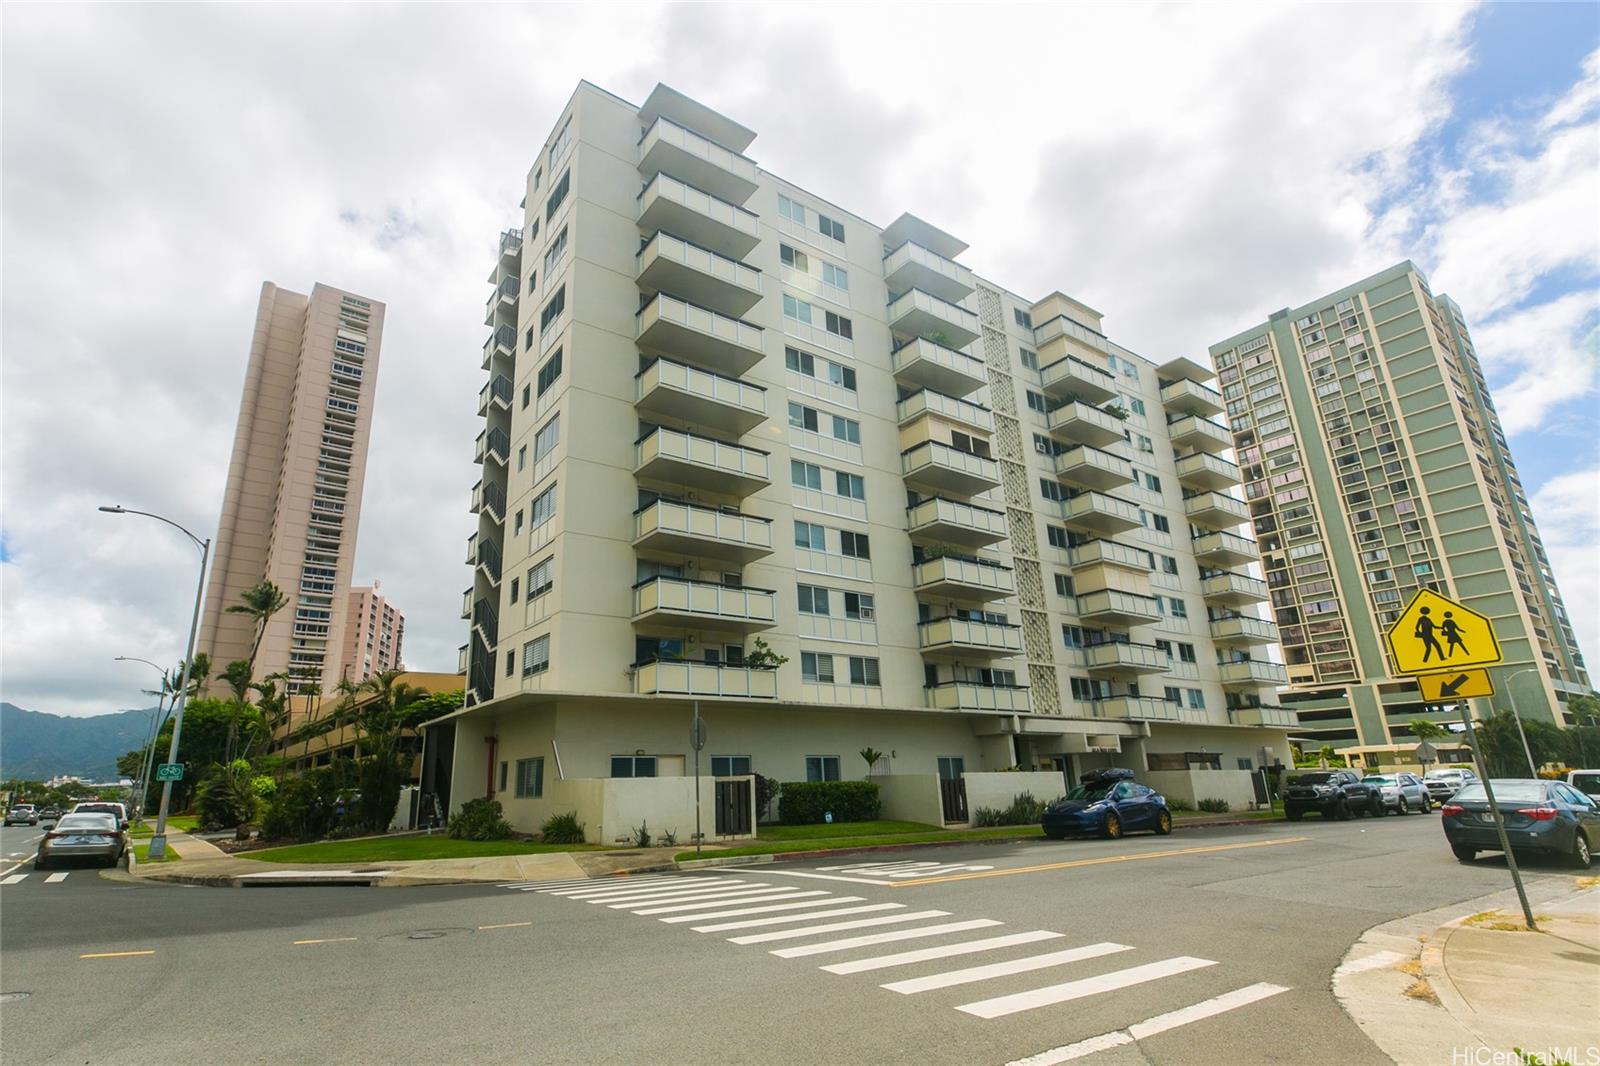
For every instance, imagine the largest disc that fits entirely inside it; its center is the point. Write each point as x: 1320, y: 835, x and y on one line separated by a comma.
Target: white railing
x: 706, y: 523
x: 672, y: 249
x: 667, y: 374
x: 666, y: 131
x: 702, y: 451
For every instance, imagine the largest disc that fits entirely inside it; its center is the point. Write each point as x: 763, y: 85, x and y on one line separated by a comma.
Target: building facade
x: 1375, y: 466
x: 375, y: 629
x: 293, y: 496
x: 742, y: 446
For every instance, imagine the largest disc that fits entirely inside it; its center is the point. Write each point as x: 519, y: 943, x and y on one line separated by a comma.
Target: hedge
x: 806, y: 802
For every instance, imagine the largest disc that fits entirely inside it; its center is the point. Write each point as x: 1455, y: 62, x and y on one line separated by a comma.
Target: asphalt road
x: 1243, y: 924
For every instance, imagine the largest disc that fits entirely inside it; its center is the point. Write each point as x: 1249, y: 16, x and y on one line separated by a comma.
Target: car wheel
x: 1163, y: 823
x: 1294, y: 815
x: 1111, y: 828
x: 1464, y: 853
x: 39, y: 863
x: 1580, y: 855
x: 1377, y: 807
x: 1342, y: 811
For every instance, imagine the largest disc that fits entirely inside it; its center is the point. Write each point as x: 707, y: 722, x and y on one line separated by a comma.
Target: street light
x: 157, y: 719
x: 158, y: 843
x: 1511, y: 694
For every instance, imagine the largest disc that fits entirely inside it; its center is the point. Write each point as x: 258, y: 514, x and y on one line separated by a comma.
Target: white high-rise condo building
x: 744, y: 447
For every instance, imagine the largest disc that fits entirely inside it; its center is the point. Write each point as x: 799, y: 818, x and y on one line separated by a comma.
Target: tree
x: 260, y: 601
x: 237, y: 678
x: 1327, y: 754
x: 273, y: 705
x: 1424, y: 729
x: 871, y: 755
x: 382, y: 715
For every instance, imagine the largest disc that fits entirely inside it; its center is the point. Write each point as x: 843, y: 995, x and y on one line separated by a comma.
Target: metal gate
x: 733, y: 807
x: 953, y: 798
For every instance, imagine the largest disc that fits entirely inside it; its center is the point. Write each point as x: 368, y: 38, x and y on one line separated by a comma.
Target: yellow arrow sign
x: 1434, y: 634
x: 1454, y: 685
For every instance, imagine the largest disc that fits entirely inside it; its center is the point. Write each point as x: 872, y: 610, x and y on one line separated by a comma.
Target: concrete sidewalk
x: 1449, y: 987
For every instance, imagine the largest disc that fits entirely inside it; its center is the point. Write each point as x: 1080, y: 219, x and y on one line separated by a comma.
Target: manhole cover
x: 426, y: 934
x: 423, y: 934
x: 12, y: 997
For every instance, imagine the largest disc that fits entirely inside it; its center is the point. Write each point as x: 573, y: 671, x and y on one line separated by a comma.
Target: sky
x: 1185, y: 169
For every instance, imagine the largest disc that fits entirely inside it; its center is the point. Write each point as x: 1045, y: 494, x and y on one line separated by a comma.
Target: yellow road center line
x: 115, y: 954
x: 1136, y: 856
x: 330, y: 940
x: 504, y: 925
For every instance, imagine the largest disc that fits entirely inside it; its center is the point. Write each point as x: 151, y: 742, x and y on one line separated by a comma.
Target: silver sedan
x: 1402, y: 793
x: 82, y: 836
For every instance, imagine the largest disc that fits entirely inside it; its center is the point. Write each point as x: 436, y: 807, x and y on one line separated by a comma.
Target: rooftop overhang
x: 1184, y: 368
x: 909, y: 227
x: 692, y: 114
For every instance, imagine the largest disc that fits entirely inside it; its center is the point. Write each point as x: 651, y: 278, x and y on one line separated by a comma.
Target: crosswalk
x: 794, y: 921
x: 49, y: 879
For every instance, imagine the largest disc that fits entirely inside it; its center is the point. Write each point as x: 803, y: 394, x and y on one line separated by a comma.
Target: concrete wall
x: 1192, y: 786
x: 998, y: 790
x: 910, y: 798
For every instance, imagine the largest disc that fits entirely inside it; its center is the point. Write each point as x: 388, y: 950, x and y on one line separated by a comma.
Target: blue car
x: 1107, y: 803
x: 1548, y: 817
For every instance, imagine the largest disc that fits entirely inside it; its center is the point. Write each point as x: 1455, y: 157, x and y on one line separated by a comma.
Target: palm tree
x: 237, y: 678
x: 260, y: 601
x: 273, y: 703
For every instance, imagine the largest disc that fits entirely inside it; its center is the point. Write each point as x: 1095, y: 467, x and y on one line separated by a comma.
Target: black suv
x: 1332, y: 794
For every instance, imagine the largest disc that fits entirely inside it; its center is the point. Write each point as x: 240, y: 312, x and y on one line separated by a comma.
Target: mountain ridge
x: 37, y: 745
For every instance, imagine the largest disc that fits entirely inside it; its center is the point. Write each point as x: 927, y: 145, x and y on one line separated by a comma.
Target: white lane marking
x: 836, y: 927
x: 613, y: 895
x: 686, y: 896
x: 755, y: 923
x: 574, y: 882
x: 1241, y: 997
x: 1001, y: 1006
x: 904, y: 869
x: 904, y: 958
x: 827, y: 877
x: 769, y: 895
x: 950, y: 978
x: 766, y: 910
x: 629, y: 890
x: 55, y: 879
x: 869, y: 939
x: 8, y: 869
x: 13, y: 879
x: 614, y: 884
x: 1375, y: 961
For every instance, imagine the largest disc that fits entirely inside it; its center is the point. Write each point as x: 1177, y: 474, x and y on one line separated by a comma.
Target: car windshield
x: 1589, y: 784
x: 1443, y: 775
x: 1504, y: 792
x: 1312, y: 779
x: 87, y: 821
x: 1379, y: 780
x: 1091, y: 793
x: 95, y: 808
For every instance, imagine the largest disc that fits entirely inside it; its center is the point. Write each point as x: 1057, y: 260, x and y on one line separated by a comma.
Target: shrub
x: 641, y: 836
x: 380, y: 778
x: 226, y: 801
x: 562, y: 829
x: 263, y: 786
x: 1215, y: 806
x: 767, y: 789
x: 806, y: 802
x: 302, y: 807
x: 1179, y: 805
x: 1024, y: 810
x: 479, y: 819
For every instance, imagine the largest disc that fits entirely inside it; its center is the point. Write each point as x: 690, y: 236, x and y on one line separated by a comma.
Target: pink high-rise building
x: 374, y: 629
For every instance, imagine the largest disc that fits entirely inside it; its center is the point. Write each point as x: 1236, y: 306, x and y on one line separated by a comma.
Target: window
x: 1056, y: 535
x: 829, y: 228
x: 1084, y: 690
x: 1136, y: 406
x: 854, y: 545
x: 849, y: 485
x: 846, y: 429
x: 790, y: 210
x: 557, y: 249
x: 835, y: 276
x: 1152, y: 483
x: 1186, y: 652
x: 533, y: 282
x: 633, y: 766
x: 553, y: 309
x: 1023, y: 318
x: 559, y: 146
x: 1051, y: 489
x: 1161, y: 523
x: 842, y: 376
x: 858, y: 605
x: 527, y: 340
x: 530, y: 778
x: 838, y: 325
x: 557, y: 194
x: 805, y: 475
x: 511, y: 662
x: 817, y: 668
x: 822, y: 767
x: 1036, y: 401
x: 863, y: 671
x: 516, y: 524
x: 800, y: 362
x: 527, y: 394
x: 730, y: 765
x: 1197, y: 699
x: 536, y: 656
x: 810, y: 535
x: 545, y: 440
x: 1179, y: 609
x: 544, y: 507
x: 1172, y: 694
x: 1030, y: 359
x: 549, y: 373
x: 792, y: 258
x: 541, y: 578
x: 813, y: 600
x: 502, y: 787
x: 514, y: 587
x: 802, y: 417
x: 1144, y: 443
x: 522, y: 457
x: 1064, y: 585
x: 1169, y: 564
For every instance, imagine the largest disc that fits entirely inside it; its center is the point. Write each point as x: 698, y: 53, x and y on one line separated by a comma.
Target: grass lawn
x: 188, y: 823
x: 841, y: 829
x: 141, y: 852
x: 401, y: 849
x: 1185, y: 816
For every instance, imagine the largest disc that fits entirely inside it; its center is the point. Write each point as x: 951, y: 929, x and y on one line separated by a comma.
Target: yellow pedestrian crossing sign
x: 1435, y: 634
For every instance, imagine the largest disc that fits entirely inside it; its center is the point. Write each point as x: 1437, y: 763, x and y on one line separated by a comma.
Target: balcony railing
x: 1233, y: 589
x: 1082, y: 424
x: 968, y: 637
x: 1097, y: 512
x: 1191, y: 397
x: 690, y: 529
x: 1212, y: 510
x: 704, y: 603
x: 1114, y: 607
x: 698, y: 160
x: 954, y: 522
x: 687, y: 458
x: 1201, y: 434
x: 1125, y: 658
x: 963, y: 578
x: 912, y: 266
x: 971, y: 696
x: 666, y: 678
x: 920, y: 314
x: 489, y: 559
x: 487, y: 621
x: 696, y: 215
x: 1204, y: 471
x: 497, y: 444
x: 669, y: 389
x: 938, y: 366
x: 1136, y: 709
x: 1267, y: 716
x: 1071, y: 376
x: 724, y: 285
x: 1088, y: 467
x: 670, y: 326
x: 1243, y: 629
x: 1224, y: 549
x: 494, y: 501
x: 941, y: 468
x: 1253, y: 672
x: 1096, y: 552
x: 931, y: 401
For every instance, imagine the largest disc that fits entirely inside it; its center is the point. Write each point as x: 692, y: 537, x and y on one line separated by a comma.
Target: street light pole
x: 1511, y: 694
x: 142, y: 781
x: 158, y: 842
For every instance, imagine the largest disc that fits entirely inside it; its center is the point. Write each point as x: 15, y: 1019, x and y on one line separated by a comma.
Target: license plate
x: 84, y: 840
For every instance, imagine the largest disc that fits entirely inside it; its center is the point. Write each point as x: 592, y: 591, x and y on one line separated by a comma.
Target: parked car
x: 116, y: 810
x: 1585, y: 781
x: 1402, y: 793
x: 1550, y: 817
x: 50, y: 814
x: 1442, y: 784
x: 23, y: 814
x: 1107, y: 803
x: 92, y: 835
x: 1332, y: 794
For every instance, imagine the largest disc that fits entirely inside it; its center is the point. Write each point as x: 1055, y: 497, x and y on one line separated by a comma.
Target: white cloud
x: 1567, y: 509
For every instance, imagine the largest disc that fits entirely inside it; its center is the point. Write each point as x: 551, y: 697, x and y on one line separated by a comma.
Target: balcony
x: 497, y: 392
x: 681, y: 458
x: 1137, y: 709
x: 489, y: 560
x: 472, y: 550
x: 961, y: 578
x: 677, y: 602
x: 1185, y: 369
x: 1224, y: 549
x: 1116, y: 659
x: 1113, y: 608
x: 490, y: 499
x: 1110, y: 553
x: 1266, y: 717
x: 931, y: 402
x: 1241, y: 630
x: 918, y: 314
x: 912, y: 266
x: 1099, y: 513
x: 1199, y: 434
x: 486, y: 622
x: 1252, y: 673
x: 1079, y: 423
x: 1191, y: 397
x: 511, y: 244
x: 1233, y: 590
x: 1072, y: 378
x: 493, y: 444
x: 701, y: 162
x: 965, y: 638
x: 939, y: 367
x: 937, y: 467
x: 969, y: 696
x: 670, y: 326
x: 502, y: 343
x: 662, y: 678
x: 671, y: 390
x: 1214, y: 511
x: 947, y: 521
x: 1087, y: 467
x: 714, y: 281
x: 1202, y: 471
x: 689, y: 529
x: 696, y: 215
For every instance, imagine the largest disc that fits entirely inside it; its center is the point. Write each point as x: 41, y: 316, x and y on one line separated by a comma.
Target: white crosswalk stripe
x: 764, y: 909
x: 50, y: 879
x: 1000, y: 1006
x: 1161, y: 1023
x: 784, y: 919
x: 835, y: 927
x: 55, y: 879
x: 905, y: 958
x: 690, y: 895
x: 884, y: 938
x: 764, y: 896
x: 1004, y: 969
x: 677, y: 892
x: 13, y: 879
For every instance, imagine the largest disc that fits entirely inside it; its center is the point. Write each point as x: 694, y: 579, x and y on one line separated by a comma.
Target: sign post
x: 697, y: 740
